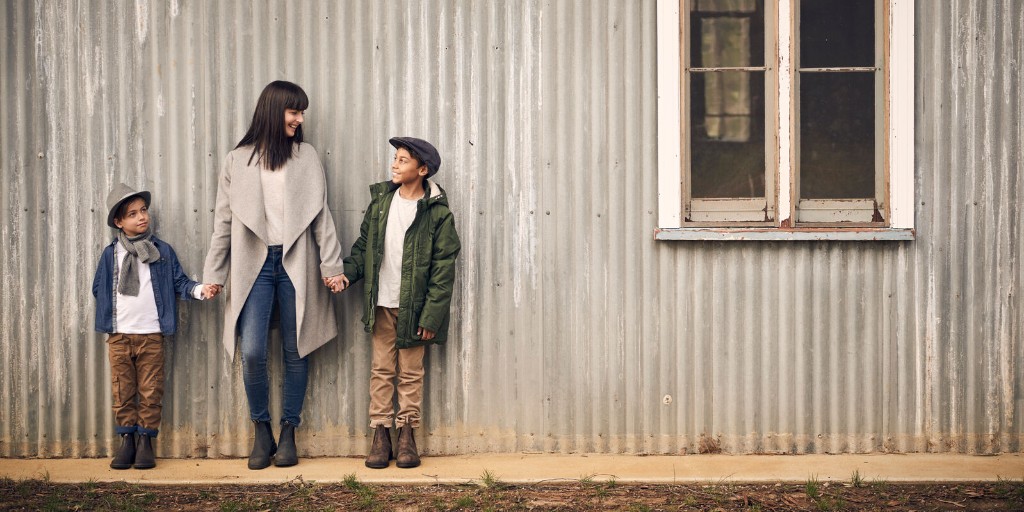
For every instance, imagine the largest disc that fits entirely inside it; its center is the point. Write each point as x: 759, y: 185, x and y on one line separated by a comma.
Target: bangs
x: 296, y: 99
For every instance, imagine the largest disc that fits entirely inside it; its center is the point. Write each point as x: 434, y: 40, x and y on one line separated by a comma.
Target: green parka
x: 428, y: 263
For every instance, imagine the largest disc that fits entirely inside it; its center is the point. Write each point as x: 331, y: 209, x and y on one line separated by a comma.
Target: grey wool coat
x: 238, y: 247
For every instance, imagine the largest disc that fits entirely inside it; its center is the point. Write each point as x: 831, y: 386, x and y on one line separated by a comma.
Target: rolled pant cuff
x: 151, y: 432
x: 381, y: 423
x: 126, y: 430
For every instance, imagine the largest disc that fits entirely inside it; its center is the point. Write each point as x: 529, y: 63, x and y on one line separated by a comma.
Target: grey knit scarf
x: 139, y: 248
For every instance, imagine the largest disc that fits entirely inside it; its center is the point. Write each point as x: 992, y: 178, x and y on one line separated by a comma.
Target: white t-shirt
x: 273, y: 203
x: 138, y: 315
x: 400, y: 217
x: 135, y: 315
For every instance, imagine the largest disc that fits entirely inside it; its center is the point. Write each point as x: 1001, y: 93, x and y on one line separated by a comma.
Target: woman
x: 274, y: 242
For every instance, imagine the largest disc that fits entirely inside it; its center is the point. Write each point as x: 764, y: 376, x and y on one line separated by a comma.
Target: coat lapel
x: 247, y: 198
x: 304, y: 193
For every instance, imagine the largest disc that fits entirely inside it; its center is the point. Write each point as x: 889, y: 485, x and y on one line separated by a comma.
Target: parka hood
x: 437, y: 194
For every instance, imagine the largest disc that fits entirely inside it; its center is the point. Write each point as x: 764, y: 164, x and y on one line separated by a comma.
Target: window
x: 785, y: 119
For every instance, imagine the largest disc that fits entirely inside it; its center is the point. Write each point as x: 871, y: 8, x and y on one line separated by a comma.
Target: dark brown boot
x: 380, y: 451
x: 408, y: 457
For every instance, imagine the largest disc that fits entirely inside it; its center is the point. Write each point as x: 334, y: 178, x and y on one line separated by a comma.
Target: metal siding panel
x: 572, y: 327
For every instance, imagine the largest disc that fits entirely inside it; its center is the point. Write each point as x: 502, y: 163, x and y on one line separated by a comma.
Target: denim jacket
x: 168, y: 280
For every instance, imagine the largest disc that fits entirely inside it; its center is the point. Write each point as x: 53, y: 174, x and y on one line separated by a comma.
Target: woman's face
x: 292, y: 120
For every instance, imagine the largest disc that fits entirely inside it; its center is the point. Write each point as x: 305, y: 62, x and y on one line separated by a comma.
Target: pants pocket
x: 117, y: 387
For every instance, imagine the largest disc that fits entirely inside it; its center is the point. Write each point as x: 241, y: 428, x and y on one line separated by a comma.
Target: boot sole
x: 285, y: 464
x: 406, y: 465
x: 145, y: 466
x: 378, y: 466
x: 120, y: 466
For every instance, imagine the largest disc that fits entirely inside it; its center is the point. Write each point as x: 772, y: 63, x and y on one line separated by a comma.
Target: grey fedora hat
x: 120, y: 194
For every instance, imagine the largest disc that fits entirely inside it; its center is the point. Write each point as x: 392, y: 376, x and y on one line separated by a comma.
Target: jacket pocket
x: 414, y: 319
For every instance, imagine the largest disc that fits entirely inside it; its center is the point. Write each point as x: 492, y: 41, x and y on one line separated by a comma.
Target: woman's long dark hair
x: 266, y: 132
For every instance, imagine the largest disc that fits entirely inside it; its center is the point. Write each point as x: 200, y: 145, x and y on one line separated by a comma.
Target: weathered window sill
x: 779, y: 234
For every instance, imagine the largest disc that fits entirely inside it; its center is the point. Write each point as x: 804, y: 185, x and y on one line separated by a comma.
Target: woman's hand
x: 336, y: 283
x: 211, y: 290
x: 425, y: 334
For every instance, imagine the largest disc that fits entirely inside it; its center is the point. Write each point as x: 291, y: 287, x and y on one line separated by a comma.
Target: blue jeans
x: 271, y: 285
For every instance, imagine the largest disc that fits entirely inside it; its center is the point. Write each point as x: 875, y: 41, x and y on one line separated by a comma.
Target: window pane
x: 727, y: 156
x: 721, y: 37
x: 725, y: 5
x: 837, y: 33
x: 837, y: 135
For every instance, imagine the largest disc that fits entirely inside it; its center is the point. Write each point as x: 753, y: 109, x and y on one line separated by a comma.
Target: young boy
x: 135, y: 286
x: 406, y: 251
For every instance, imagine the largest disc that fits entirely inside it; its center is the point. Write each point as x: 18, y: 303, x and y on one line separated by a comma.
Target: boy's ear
x: 118, y: 223
x: 423, y: 171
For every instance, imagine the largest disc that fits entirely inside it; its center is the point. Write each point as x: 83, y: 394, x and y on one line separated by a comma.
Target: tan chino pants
x: 388, y: 363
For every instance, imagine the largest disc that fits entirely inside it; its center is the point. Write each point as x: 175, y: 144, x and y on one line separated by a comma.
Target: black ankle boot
x: 144, y: 458
x: 263, y: 447
x: 286, y: 452
x: 125, y: 456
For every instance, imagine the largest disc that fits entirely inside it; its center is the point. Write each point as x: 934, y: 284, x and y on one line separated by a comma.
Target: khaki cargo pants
x: 137, y: 372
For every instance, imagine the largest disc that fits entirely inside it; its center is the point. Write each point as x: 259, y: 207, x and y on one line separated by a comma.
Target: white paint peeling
x: 91, y: 79
x: 141, y: 20
x: 160, y: 104
x: 522, y: 208
x: 192, y: 114
x: 175, y: 9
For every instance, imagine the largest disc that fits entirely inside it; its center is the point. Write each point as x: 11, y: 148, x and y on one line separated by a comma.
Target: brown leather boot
x: 380, y: 451
x: 408, y: 457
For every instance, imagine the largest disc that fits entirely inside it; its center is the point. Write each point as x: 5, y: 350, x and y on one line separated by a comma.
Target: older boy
x: 406, y: 250
x: 136, y: 282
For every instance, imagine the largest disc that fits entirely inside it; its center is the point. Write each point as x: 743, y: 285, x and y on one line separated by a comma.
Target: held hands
x: 336, y: 283
x: 211, y: 290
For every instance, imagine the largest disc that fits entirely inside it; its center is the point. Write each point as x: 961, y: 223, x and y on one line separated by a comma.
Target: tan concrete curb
x: 534, y: 468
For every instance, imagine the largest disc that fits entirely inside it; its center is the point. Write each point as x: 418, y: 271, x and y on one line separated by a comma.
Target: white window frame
x: 897, y: 152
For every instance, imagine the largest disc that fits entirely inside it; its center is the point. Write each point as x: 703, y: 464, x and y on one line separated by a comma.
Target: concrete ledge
x: 534, y: 468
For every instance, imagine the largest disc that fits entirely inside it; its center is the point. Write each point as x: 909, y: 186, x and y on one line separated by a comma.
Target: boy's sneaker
x: 125, y: 456
x: 144, y: 454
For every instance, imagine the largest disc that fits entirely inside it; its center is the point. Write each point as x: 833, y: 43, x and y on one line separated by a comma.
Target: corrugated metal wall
x: 573, y: 330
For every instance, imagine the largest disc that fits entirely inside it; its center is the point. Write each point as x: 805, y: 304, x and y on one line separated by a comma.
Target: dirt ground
x: 490, y: 493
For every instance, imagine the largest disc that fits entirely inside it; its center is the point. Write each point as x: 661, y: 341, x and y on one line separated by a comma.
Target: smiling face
x: 406, y: 170
x: 134, y: 217
x: 292, y: 120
